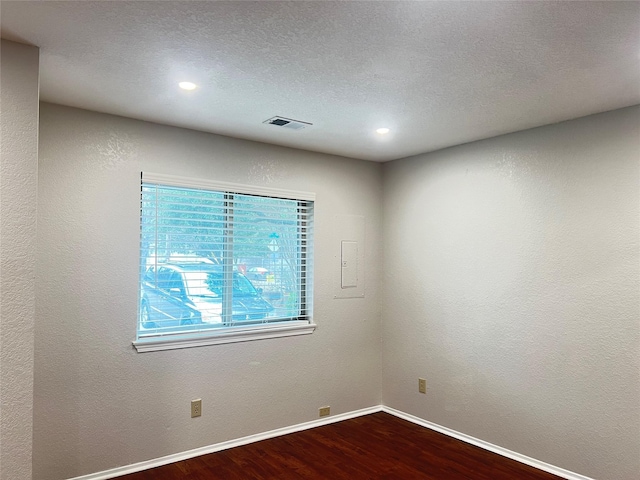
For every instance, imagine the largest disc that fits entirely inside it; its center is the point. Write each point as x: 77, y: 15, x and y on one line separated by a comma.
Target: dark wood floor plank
x: 377, y: 446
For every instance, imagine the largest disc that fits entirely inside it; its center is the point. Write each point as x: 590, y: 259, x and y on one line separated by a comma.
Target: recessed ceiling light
x: 187, y: 85
x: 382, y: 131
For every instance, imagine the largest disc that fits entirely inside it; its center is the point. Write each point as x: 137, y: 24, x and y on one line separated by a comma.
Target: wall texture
x: 512, y: 283
x: 18, y: 189
x: 98, y: 403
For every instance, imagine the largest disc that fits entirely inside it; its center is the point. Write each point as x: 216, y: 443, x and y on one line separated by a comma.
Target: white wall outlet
x: 324, y: 411
x: 196, y: 407
x: 422, y: 385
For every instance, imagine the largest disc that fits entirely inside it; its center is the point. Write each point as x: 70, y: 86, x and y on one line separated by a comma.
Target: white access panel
x: 349, y: 245
x: 349, y: 264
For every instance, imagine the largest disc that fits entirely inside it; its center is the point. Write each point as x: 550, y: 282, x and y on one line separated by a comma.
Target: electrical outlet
x: 324, y: 411
x: 422, y: 385
x: 196, y: 407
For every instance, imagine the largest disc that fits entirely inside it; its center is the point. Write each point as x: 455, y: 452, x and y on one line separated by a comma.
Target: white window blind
x: 217, y: 259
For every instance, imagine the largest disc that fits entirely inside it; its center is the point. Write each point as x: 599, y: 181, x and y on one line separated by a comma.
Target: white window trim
x: 188, y: 182
x: 227, y: 335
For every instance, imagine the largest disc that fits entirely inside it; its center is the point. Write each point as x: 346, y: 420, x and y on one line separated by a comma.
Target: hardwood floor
x: 376, y: 446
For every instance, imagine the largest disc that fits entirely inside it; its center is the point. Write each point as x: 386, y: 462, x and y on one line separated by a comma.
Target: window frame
x: 240, y: 333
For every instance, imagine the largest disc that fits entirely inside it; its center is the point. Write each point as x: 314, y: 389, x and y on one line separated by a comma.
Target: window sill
x: 230, y: 335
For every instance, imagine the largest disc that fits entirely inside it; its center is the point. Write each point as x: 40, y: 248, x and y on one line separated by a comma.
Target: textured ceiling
x: 436, y: 73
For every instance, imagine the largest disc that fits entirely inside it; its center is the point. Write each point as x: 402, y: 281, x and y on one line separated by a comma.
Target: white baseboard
x: 560, y: 472
x: 196, y: 452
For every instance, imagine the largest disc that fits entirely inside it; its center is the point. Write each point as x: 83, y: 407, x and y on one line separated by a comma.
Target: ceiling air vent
x: 287, y: 123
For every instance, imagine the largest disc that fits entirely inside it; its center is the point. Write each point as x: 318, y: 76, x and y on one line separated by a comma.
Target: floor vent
x: 287, y: 123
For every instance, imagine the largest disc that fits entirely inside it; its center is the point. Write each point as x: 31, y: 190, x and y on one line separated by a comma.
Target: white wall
x: 512, y: 283
x: 18, y: 189
x: 98, y: 403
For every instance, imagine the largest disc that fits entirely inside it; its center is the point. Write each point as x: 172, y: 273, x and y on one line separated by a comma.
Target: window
x: 221, y: 263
